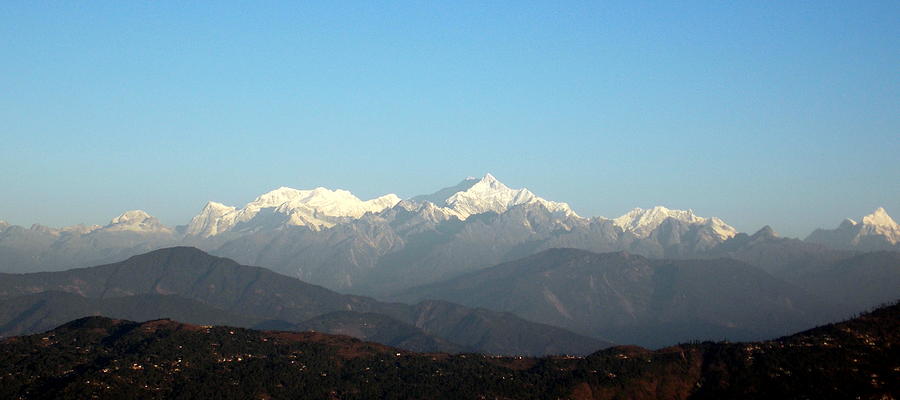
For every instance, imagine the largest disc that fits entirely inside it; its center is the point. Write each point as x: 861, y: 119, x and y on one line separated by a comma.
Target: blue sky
x: 759, y: 113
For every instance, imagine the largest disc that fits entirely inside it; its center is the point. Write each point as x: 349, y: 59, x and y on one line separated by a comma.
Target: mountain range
x: 477, y: 266
x: 384, y: 246
x: 557, y: 301
x: 876, y: 231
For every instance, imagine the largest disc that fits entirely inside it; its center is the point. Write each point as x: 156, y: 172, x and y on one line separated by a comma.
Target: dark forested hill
x: 98, y: 357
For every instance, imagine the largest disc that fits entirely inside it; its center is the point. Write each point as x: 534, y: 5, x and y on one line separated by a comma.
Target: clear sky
x: 764, y: 112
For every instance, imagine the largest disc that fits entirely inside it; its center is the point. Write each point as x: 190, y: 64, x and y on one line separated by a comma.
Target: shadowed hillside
x: 103, y: 358
x: 188, y: 284
x: 632, y: 299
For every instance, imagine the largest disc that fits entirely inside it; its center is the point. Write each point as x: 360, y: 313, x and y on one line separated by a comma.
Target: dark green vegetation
x: 104, y: 358
x: 189, y: 285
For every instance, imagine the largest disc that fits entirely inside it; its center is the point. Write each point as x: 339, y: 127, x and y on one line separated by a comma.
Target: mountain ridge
x: 629, y: 297
x: 309, y: 235
x: 109, y: 358
x: 875, y: 231
x: 256, y: 294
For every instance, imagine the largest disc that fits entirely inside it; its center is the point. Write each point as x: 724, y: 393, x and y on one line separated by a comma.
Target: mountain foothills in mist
x: 488, y: 269
x: 192, y: 286
x: 632, y: 299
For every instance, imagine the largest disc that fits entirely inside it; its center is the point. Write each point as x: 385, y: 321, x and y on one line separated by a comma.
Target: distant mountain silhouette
x: 849, y: 281
x: 42, y: 311
x: 774, y: 254
x: 378, y: 328
x: 632, y: 299
x: 876, y: 231
x: 855, y: 283
x: 222, y: 291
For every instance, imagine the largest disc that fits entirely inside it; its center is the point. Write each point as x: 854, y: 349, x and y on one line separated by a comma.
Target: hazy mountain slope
x: 40, y: 248
x: 777, y: 255
x: 855, y: 283
x: 494, y: 332
x: 42, y: 311
x: 99, y: 357
x: 338, y: 257
x: 850, y: 281
x: 22, y: 250
x: 379, y: 328
x: 190, y: 273
x: 264, y: 295
x: 631, y: 299
x: 452, y: 249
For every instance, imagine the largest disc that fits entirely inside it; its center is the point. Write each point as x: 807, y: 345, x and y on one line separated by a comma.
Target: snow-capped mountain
x: 346, y: 239
x: 42, y: 248
x: 477, y: 196
x: 880, y: 223
x: 136, y: 221
x: 213, y: 219
x: 79, y: 229
x: 876, y: 231
x: 317, y: 208
x: 642, y: 222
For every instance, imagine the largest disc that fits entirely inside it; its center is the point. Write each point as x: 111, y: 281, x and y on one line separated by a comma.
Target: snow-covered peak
x: 880, y: 218
x: 722, y: 229
x: 383, y: 202
x: 642, y: 222
x: 875, y: 231
x: 335, y: 203
x: 488, y: 182
x: 211, y: 219
x: 278, y: 196
x: 133, y: 216
x: 136, y: 221
x: 881, y: 224
x: 79, y: 229
x: 215, y: 207
x: 316, y: 208
x: 477, y: 196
